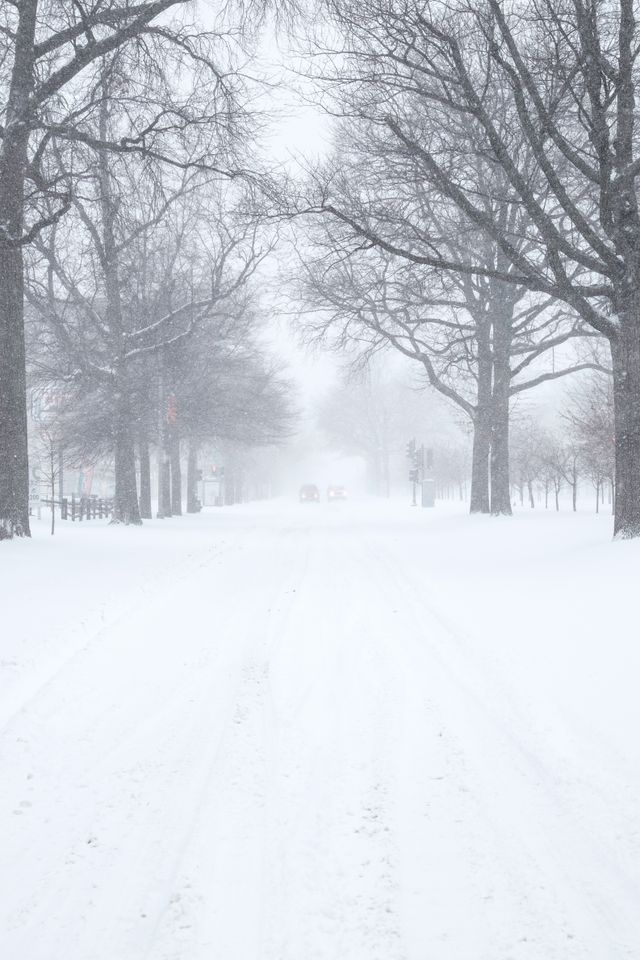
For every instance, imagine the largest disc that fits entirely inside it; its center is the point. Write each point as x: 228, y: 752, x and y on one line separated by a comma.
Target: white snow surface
x: 350, y: 731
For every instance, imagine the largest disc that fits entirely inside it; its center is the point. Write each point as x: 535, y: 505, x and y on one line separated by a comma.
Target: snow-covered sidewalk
x: 334, y: 732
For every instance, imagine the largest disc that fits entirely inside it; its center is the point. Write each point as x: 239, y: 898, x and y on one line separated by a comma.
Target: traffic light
x: 411, y: 449
x: 414, y: 475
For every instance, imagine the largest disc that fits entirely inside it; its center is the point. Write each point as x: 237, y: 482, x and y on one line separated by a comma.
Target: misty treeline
x: 130, y: 236
x: 578, y: 454
x: 374, y: 408
x: 371, y: 413
x: 480, y: 211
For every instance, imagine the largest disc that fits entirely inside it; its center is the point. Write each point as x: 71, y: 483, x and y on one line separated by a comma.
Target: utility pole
x: 420, y: 460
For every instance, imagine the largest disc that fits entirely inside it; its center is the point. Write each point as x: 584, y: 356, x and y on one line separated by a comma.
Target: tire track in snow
x: 344, y: 913
x: 98, y: 623
x: 143, y: 743
x: 321, y: 787
x: 514, y: 777
x: 335, y: 885
x: 229, y: 796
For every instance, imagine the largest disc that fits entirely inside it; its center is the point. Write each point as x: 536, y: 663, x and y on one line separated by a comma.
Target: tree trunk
x: 164, y: 484
x: 125, y: 506
x: 145, y: 480
x: 60, y: 471
x: 176, y: 474
x: 625, y: 355
x: 532, y: 502
x: 479, y: 498
x: 14, y: 463
x: 500, y: 485
x: 386, y: 474
x: 164, y: 465
x: 192, y: 477
x: 480, y: 465
x: 52, y: 467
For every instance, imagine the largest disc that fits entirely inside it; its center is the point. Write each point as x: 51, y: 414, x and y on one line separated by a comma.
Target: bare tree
x: 451, y: 470
x: 527, y: 445
x: 50, y: 89
x: 480, y: 341
x: 223, y: 387
x: 546, y: 93
x: 553, y: 463
x: 572, y: 465
x: 108, y: 326
x: 48, y: 444
x: 590, y: 416
x: 49, y: 440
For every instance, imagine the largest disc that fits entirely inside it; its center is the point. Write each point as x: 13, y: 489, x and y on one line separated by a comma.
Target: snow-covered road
x: 343, y: 732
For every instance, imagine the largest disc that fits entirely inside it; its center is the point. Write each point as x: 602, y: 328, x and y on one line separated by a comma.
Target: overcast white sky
x: 300, y: 133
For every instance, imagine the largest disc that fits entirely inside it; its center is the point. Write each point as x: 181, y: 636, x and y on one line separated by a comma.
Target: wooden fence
x: 82, y: 508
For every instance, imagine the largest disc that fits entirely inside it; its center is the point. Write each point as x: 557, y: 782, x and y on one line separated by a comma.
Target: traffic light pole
x: 413, y: 456
x: 420, y: 460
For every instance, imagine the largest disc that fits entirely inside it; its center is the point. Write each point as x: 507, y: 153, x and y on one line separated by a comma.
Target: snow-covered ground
x: 335, y: 732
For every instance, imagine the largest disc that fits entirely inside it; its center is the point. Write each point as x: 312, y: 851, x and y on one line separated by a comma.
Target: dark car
x: 336, y: 493
x: 309, y: 493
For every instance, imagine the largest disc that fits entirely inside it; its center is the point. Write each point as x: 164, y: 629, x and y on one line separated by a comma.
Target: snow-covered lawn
x: 340, y: 732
